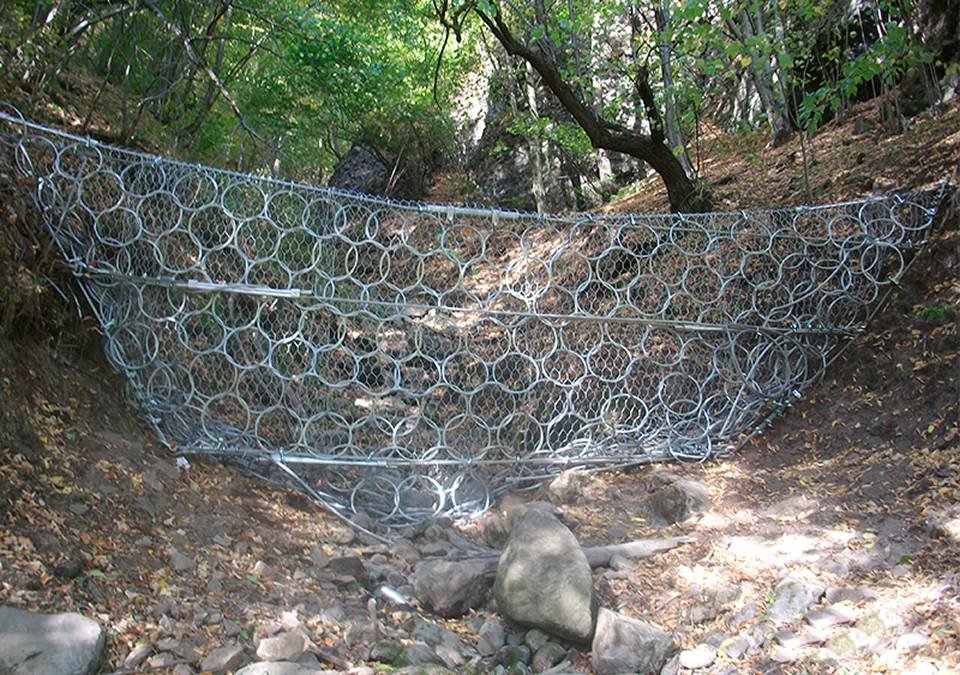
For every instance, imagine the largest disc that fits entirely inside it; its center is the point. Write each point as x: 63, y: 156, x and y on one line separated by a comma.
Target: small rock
x: 825, y: 658
x: 880, y: 624
x: 281, y: 668
x: 450, y: 589
x: 69, y: 569
x: 792, y: 599
x: 163, y: 660
x: 417, y: 654
x: 535, y: 639
x: 837, y: 594
x: 543, y: 578
x: 491, y: 638
x: 509, y: 656
x: 736, y: 648
x: 344, y: 535
x: 569, y: 486
x: 781, y: 654
x: 831, y: 615
x: 549, y: 655
x: 180, y: 561
x: 909, y: 641
x: 386, y: 651
x: 319, y: 557
x: 678, y: 501
x: 182, y: 669
x: 223, y: 659
x: 624, y: 645
x: 137, y: 656
x: 231, y: 628
x: 309, y: 660
x: 49, y: 643
x: 405, y: 550
x: 672, y: 667
x: 450, y: 656
x: 285, y: 647
x: 349, y: 565
x: 702, y: 656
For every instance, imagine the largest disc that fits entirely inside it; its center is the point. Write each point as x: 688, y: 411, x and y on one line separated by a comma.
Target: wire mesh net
x: 406, y: 360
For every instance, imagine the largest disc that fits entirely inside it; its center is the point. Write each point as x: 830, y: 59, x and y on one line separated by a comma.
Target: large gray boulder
x: 58, y: 644
x: 451, y: 588
x: 544, y: 579
x: 625, y: 645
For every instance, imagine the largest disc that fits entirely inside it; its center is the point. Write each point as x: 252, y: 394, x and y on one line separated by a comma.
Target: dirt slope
x: 855, y: 486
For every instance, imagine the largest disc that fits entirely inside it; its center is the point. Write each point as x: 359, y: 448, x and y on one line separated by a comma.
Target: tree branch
x: 205, y: 67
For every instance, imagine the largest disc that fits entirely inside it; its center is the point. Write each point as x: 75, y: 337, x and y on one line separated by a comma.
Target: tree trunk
x: 535, y: 146
x: 681, y: 190
x: 674, y: 133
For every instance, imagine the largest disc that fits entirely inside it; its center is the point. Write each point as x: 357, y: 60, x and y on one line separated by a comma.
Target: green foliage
x: 309, y: 79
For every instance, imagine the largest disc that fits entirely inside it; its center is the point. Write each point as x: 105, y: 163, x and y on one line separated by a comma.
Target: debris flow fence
x: 406, y: 360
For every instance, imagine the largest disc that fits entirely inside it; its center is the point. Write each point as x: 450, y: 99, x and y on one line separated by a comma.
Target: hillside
x: 855, y: 487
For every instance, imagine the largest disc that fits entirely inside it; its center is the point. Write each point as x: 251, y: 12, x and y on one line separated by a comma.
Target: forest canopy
x: 589, y: 90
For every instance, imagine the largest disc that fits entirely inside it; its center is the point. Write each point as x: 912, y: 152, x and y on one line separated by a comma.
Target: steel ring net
x: 407, y: 360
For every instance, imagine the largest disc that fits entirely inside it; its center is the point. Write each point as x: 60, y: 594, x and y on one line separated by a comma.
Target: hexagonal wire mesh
x: 408, y: 360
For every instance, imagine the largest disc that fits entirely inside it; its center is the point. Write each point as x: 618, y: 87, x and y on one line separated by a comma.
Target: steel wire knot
x: 406, y: 360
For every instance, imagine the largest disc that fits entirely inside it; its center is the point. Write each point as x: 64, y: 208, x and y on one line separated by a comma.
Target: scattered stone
x: 672, y: 667
x: 65, y: 644
x: 451, y: 588
x: 435, y: 549
x: 433, y: 634
x: 535, y: 639
x: 451, y: 657
x: 912, y: 640
x: 284, y: 647
x: 319, y: 557
x: 137, y: 656
x: 781, y: 654
x: 701, y: 656
x: 831, y: 615
x: 544, y: 580
x: 163, y: 660
x: 344, y: 535
x: 282, y: 668
x: 423, y: 669
x: 386, y: 651
x: 69, y: 569
x: 180, y: 562
x: 569, y: 486
x: 348, y: 566
x: 624, y: 645
x: 825, y: 657
x: 837, y: 594
x: 223, y: 659
x: 880, y: 624
x: 711, y: 602
x: 416, y: 654
x: 792, y: 599
x: 678, y: 501
x: 549, y: 655
x: 736, y: 648
x: 405, y: 550
x: 510, y: 656
x: 491, y: 638
x: 842, y: 646
x: 231, y: 628
x: 182, y: 669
